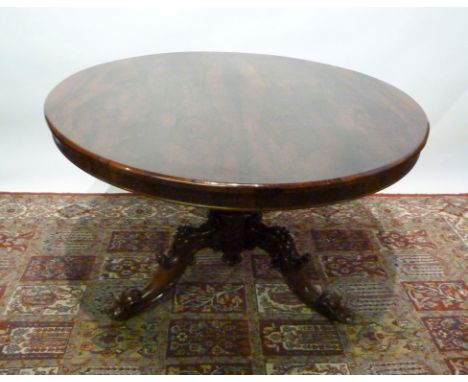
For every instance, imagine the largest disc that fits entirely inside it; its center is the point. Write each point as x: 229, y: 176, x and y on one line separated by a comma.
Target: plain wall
x: 424, y: 52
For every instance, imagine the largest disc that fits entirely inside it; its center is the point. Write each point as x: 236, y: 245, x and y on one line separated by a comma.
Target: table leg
x: 278, y: 243
x: 187, y: 241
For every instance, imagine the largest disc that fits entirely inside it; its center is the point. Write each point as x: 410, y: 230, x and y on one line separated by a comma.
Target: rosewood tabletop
x: 236, y: 131
x: 240, y: 134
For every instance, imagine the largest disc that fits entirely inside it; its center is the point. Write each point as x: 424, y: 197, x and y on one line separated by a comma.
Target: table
x: 240, y: 134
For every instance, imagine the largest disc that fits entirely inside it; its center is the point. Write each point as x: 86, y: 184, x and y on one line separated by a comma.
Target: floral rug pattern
x: 400, y: 260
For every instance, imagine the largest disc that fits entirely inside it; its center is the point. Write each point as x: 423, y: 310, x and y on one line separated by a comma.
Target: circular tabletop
x: 235, y: 130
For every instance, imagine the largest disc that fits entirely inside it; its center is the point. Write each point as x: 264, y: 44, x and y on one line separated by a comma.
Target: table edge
x: 236, y: 196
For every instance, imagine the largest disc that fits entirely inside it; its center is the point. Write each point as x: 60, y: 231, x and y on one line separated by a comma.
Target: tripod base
x: 232, y: 233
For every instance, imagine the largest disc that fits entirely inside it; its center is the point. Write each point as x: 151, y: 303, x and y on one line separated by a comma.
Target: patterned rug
x: 401, y: 261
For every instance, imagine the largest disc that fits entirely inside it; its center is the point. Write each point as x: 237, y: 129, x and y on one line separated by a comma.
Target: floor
x: 399, y: 260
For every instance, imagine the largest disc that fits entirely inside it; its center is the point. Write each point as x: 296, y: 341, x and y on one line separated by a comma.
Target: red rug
x: 401, y: 260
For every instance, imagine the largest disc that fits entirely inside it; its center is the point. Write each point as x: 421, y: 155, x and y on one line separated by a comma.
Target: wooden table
x: 239, y: 134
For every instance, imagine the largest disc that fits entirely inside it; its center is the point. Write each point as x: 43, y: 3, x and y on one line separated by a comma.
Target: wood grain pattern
x: 236, y: 131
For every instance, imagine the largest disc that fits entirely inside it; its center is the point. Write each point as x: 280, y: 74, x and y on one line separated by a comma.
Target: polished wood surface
x: 236, y: 131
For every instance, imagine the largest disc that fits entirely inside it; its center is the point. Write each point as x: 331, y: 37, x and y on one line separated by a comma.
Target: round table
x: 239, y: 134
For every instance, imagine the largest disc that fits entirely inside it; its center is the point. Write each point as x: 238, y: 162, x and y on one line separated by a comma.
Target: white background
x: 424, y: 52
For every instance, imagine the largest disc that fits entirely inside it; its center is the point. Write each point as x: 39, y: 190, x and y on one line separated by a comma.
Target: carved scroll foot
x: 329, y: 304
x: 134, y: 301
x: 187, y: 241
x: 332, y: 305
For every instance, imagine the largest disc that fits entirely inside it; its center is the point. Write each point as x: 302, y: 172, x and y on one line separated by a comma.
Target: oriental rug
x: 400, y: 260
